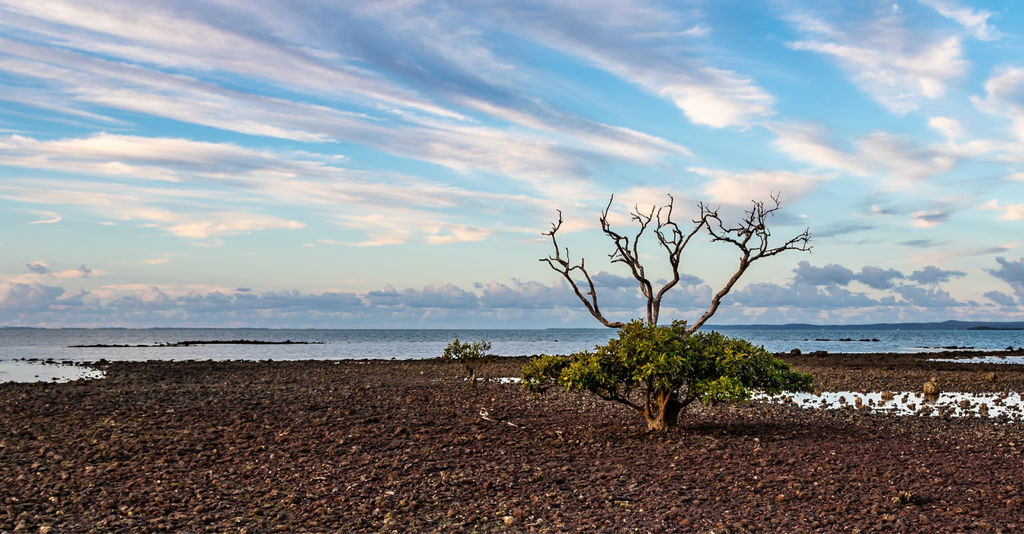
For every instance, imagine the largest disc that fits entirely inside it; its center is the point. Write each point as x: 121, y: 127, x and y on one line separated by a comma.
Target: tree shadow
x: 759, y: 429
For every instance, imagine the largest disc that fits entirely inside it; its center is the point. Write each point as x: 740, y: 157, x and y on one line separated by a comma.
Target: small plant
x: 659, y: 370
x: 470, y: 355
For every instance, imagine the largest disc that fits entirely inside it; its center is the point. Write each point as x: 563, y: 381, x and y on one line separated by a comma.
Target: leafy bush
x: 470, y: 355
x: 660, y: 370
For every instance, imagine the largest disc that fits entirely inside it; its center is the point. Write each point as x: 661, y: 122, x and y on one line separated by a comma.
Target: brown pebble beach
x: 402, y: 446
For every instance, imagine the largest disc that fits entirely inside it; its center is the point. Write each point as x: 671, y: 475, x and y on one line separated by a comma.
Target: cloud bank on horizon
x: 392, y: 163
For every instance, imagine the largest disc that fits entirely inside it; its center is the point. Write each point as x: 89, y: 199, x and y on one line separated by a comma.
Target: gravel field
x: 401, y: 446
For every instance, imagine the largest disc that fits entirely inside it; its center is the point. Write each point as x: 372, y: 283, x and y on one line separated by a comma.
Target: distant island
x: 193, y: 343
x: 944, y: 325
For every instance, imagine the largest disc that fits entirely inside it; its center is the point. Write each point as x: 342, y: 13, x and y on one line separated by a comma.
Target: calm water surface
x: 415, y: 344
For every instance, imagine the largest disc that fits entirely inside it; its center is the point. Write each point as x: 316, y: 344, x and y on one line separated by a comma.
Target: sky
x: 393, y: 164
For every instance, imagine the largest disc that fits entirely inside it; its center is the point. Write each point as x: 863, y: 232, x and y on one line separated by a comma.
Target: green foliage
x: 667, y: 362
x: 468, y: 354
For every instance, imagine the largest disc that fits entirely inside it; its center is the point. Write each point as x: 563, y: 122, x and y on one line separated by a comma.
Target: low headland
x: 411, y: 446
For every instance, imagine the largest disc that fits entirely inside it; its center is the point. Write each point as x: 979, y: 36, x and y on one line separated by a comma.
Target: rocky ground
x: 402, y: 446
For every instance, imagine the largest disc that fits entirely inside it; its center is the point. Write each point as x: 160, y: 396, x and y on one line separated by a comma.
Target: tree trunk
x: 666, y: 412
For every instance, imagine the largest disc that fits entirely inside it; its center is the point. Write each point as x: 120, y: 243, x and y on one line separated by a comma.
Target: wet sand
x: 402, y: 446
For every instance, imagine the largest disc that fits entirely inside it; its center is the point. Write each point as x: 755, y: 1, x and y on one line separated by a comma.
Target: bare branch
x: 751, y: 236
x: 673, y: 244
x: 564, y: 266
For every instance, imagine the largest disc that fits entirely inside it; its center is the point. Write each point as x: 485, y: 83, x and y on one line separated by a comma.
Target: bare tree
x: 750, y: 236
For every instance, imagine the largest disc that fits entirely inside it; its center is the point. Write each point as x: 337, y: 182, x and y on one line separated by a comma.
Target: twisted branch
x: 564, y: 266
x: 750, y: 235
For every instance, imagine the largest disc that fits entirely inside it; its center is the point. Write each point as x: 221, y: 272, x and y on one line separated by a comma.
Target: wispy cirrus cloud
x: 739, y: 188
x: 397, y: 122
x: 617, y: 38
x: 160, y: 35
x: 351, y: 50
x: 1004, y: 97
x: 48, y: 217
x: 893, y: 160
x: 129, y: 203
x: 974, y: 21
x: 130, y: 178
x: 362, y: 94
x: 897, y: 66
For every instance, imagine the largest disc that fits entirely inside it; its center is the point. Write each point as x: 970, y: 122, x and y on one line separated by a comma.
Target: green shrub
x: 470, y: 355
x: 660, y: 370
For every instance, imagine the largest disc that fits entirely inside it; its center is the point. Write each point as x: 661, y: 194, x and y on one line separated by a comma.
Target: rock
x: 931, y: 389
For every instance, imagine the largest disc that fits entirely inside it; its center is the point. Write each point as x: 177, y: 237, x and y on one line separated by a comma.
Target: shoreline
x: 383, y: 445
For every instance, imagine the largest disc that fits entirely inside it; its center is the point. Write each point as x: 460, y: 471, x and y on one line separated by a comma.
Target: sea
x: 323, y: 344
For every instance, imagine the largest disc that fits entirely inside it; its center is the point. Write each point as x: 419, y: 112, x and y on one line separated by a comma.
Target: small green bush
x: 470, y: 355
x: 660, y: 370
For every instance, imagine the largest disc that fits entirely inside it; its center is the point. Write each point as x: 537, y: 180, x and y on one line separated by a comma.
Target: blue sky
x: 392, y: 164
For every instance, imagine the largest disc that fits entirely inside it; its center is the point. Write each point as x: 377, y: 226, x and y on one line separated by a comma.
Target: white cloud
x: 899, y: 156
x: 950, y: 128
x: 973, y: 21
x: 894, y: 160
x: 897, y: 67
x: 398, y: 226
x: 120, y: 170
x: 958, y: 146
x: 739, y: 188
x: 717, y: 98
x: 1004, y: 97
x: 293, y: 56
x: 140, y: 204
x: 155, y: 35
x: 811, y: 144
x: 1012, y: 212
x: 615, y: 37
x: 458, y: 234
x: 48, y: 217
x: 226, y: 224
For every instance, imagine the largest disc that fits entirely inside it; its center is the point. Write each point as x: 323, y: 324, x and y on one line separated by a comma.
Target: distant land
x: 943, y: 325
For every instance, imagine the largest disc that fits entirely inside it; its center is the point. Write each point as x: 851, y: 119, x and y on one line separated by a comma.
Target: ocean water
x: 18, y: 343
